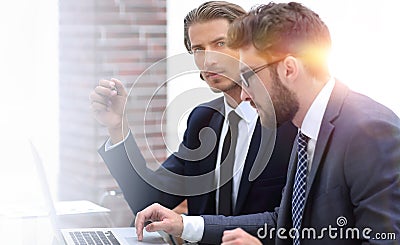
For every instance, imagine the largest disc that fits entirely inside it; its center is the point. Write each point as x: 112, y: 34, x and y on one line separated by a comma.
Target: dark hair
x: 280, y: 29
x: 210, y: 11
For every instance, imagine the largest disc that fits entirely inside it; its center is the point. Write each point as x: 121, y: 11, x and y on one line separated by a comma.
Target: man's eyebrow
x: 196, y: 46
x: 221, y: 38
x: 218, y: 39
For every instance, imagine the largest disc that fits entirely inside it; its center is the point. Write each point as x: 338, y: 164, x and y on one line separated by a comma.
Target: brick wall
x: 104, y: 39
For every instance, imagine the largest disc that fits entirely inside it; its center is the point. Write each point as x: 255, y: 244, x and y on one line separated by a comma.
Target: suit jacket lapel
x: 332, y: 111
x: 285, y: 209
x: 216, y: 124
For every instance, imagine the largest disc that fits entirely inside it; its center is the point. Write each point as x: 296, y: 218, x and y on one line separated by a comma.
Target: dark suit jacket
x: 259, y: 195
x: 355, y: 174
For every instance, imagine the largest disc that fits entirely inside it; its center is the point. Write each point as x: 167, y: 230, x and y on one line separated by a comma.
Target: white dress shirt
x: 313, y: 119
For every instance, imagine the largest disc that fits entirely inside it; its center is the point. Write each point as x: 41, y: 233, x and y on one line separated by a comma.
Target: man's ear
x: 290, y: 69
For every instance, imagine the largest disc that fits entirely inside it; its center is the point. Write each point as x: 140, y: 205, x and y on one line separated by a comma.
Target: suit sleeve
x: 125, y: 162
x: 137, y: 192
x: 257, y: 225
x: 372, y: 169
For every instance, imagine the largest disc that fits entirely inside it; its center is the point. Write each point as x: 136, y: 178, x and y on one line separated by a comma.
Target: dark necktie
x: 227, y: 162
x: 299, y: 188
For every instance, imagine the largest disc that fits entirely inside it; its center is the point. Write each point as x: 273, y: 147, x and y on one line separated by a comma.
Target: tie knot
x: 303, y: 139
x: 233, y: 118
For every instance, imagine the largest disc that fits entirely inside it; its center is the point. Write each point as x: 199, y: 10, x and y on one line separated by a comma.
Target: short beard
x: 285, y: 101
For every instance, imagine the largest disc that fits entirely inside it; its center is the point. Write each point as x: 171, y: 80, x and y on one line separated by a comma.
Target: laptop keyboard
x: 93, y: 238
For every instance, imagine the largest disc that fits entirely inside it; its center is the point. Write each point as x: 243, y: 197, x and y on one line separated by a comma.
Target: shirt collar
x: 244, y: 110
x: 313, y: 119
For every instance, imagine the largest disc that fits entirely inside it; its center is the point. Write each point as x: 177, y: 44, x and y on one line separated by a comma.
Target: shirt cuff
x: 108, y: 146
x: 193, y: 228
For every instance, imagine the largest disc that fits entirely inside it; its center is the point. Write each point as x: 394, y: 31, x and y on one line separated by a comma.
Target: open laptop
x: 79, y: 236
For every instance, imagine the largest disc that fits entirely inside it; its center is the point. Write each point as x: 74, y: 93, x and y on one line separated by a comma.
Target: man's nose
x: 210, y: 59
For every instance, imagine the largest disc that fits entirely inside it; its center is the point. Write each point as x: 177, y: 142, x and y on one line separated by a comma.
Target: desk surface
x: 24, y: 231
x: 39, y: 230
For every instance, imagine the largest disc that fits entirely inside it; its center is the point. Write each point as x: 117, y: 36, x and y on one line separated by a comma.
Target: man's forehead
x: 216, y: 24
x: 208, y: 31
